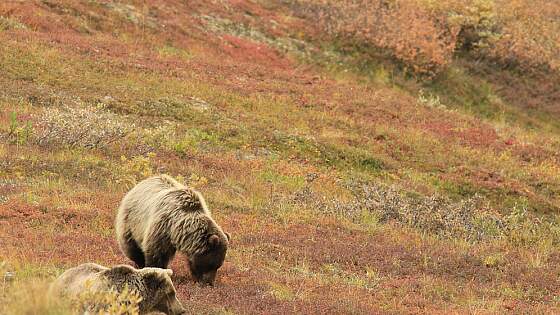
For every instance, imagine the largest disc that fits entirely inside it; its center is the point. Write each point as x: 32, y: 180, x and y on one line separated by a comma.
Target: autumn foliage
x: 425, y: 35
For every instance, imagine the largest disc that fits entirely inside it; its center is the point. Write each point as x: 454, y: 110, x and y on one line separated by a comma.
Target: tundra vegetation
x: 370, y: 156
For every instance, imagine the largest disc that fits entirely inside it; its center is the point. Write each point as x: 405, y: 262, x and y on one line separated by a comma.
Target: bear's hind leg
x: 134, y: 252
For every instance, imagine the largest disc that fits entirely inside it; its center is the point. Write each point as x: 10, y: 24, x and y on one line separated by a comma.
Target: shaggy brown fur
x: 160, y: 216
x: 153, y: 284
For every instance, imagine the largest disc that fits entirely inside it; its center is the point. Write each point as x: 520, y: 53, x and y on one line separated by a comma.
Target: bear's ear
x: 159, y: 273
x: 153, y: 278
x: 214, y: 240
x: 228, y: 236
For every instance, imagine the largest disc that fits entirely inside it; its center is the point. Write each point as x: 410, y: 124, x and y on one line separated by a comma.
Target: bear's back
x: 77, y: 279
x: 162, y: 193
x: 170, y: 195
x: 140, y: 203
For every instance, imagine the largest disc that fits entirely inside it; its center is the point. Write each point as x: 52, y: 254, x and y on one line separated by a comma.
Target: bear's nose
x: 208, y: 278
x: 205, y: 283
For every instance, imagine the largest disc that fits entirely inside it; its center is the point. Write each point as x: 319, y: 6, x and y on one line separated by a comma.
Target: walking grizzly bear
x: 153, y: 285
x: 160, y: 216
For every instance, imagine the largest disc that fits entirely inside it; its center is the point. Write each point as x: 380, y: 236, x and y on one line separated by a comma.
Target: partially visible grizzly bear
x: 160, y: 216
x: 152, y: 284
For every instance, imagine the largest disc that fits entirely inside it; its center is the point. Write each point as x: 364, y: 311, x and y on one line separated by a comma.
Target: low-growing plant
x: 197, y: 181
x: 368, y: 280
x: 172, y: 51
x: 494, y: 260
x: 220, y: 25
x: 468, y: 218
x: 19, y: 132
x: 30, y: 297
x: 281, y: 292
x: 476, y: 20
x: 429, y: 100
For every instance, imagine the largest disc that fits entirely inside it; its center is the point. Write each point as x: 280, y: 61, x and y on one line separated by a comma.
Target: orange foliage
x: 425, y: 34
x: 413, y: 35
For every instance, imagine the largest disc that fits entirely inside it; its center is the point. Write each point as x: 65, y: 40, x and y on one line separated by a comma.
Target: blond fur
x: 162, y: 215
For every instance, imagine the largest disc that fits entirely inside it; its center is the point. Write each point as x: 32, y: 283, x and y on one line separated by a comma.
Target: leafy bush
x: 519, y: 33
x: 469, y: 219
x: 478, y: 24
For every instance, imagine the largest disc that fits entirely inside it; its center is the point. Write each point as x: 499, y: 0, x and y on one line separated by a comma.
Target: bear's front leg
x: 158, y: 249
x: 159, y: 259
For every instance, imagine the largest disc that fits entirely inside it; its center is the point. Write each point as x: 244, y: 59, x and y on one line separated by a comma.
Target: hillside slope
x: 349, y: 185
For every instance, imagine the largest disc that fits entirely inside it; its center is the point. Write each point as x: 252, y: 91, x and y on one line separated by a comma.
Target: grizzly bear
x: 160, y: 216
x: 153, y: 285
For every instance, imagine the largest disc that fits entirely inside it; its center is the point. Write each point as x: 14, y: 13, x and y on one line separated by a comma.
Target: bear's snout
x: 206, y: 278
x: 178, y: 309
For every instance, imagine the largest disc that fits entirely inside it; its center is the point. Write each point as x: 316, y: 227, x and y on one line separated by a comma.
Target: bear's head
x: 205, y: 264
x: 160, y: 295
x: 153, y: 284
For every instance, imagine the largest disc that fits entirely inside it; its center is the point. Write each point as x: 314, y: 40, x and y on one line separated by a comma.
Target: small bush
x: 285, y: 44
x: 32, y: 298
x: 8, y: 23
x: 369, y: 279
x: 429, y: 100
x: 524, y: 34
x: 109, y: 302
x: 80, y: 127
x: 530, y: 36
x: 477, y: 21
x: 134, y: 169
x: 469, y: 218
